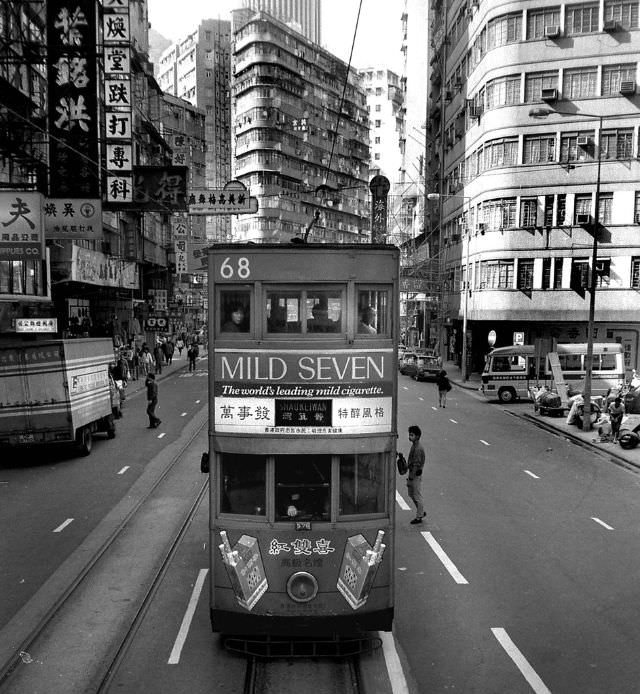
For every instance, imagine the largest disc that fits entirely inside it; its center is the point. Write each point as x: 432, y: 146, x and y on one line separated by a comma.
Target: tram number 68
x: 227, y: 270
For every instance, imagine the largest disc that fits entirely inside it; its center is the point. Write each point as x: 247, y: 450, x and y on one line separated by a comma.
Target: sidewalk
x: 524, y: 410
x: 178, y: 363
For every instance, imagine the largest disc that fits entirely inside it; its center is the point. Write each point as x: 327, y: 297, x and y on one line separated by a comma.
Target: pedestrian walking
x: 180, y: 345
x: 152, y: 400
x: 169, y: 348
x: 444, y: 386
x: 146, y: 360
x: 157, y: 357
x: 415, y: 462
x: 192, y: 354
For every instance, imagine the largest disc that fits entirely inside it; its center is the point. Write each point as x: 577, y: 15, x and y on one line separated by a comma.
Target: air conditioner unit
x: 552, y: 31
x: 611, y: 25
x: 549, y: 94
x: 627, y: 87
x: 583, y: 141
x: 583, y: 219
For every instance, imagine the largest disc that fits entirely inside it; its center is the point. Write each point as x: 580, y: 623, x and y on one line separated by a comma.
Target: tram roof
x: 305, y: 246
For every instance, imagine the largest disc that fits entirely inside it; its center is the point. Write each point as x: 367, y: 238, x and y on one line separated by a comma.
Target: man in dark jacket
x: 416, y: 460
x: 152, y: 399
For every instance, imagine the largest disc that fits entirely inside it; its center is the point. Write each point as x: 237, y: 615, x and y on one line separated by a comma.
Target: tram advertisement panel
x: 303, y: 391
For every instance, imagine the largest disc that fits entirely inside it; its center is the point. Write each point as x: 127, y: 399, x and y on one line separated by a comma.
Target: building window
x: 580, y: 83
x: 613, y: 75
x: 603, y: 272
x: 579, y: 274
x: 605, y: 207
x: 617, y: 144
x: 548, y: 211
x: 377, y: 124
x: 376, y: 141
x: 636, y: 208
x: 562, y: 209
x: 503, y: 30
x: 623, y: 11
x: 539, y: 149
x: 537, y: 20
x: 378, y: 91
x: 569, y: 149
x: 499, y: 214
x: 504, y: 91
x: 535, y: 82
x: 581, y: 19
x: 496, y: 274
x: 552, y: 273
x: 500, y: 152
x: 582, y: 205
x: 376, y: 156
x: 529, y: 212
x: 378, y: 107
x: 525, y: 273
x: 635, y: 273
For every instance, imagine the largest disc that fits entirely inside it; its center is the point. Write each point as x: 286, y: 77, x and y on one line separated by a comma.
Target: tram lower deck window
x: 303, y: 487
x: 242, y: 484
x: 362, y: 484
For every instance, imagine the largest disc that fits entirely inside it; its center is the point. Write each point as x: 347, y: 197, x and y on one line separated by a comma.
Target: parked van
x: 510, y: 372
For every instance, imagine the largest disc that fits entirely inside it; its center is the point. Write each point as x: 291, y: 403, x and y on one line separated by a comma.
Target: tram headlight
x: 302, y: 586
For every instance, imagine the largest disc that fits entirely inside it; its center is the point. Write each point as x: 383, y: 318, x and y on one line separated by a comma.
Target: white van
x: 510, y: 372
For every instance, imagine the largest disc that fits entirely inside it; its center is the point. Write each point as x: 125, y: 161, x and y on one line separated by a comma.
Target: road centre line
x: 184, y: 414
x: 453, y: 420
x: 401, y: 502
x: 61, y: 527
x: 602, y: 523
x: 123, y: 470
x: 486, y: 443
x: 521, y: 662
x: 434, y: 408
x: 162, y: 435
x: 421, y: 399
x: 197, y: 402
x: 392, y: 661
x: 442, y: 556
x: 535, y: 477
x: 174, y: 657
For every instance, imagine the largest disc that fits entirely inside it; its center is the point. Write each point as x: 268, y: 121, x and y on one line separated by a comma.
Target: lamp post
x: 465, y: 283
x: 595, y: 226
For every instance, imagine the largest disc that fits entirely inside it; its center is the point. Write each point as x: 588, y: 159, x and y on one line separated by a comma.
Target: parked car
x: 408, y: 363
x: 427, y: 367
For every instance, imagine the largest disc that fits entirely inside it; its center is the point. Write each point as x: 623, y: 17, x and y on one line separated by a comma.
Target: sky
x: 377, y: 39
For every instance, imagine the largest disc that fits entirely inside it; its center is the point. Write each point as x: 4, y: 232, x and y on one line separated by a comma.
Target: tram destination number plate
x: 303, y: 413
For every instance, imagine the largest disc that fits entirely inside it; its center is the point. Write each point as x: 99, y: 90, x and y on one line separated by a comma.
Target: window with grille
x: 603, y: 272
x: 498, y: 214
x: 579, y: 273
x: 496, y: 274
x: 635, y: 273
x: 580, y: 83
x: 503, y: 91
x: 636, y: 207
x: 535, y: 82
x: 605, y: 207
x: 502, y: 152
x: 617, y: 144
x: 537, y: 20
x: 613, y: 75
x: 503, y: 30
x: 623, y: 11
x: 539, y: 149
x: 569, y: 149
x: 552, y: 273
x: 581, y: 19
x: 562, y: 209
x: 582, y: 205
x: 525, y: 273
x: 528, y: 212
x: 548, y: 210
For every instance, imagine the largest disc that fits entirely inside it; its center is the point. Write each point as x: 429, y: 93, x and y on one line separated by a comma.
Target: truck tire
x: 507, y: 395
x: 84, y: 441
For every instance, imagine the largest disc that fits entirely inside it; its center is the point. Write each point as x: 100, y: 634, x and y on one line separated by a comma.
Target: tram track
x: 19, y: 654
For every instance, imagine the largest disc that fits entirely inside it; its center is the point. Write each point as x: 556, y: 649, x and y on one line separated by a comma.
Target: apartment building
x: 302, y: 15
x: 533, y: 144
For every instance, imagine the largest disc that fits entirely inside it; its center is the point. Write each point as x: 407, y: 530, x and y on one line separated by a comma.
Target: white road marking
x: 197, y: 402
x: 602, y: 523
x: 421, y: 399
x: 535, y: 477
x: 162, y: 435
x: 174, y: 657
x: 453, y: 420
x: 406, y: 387
x: 442, y: 556
x: 61, y: 527
x: 401, y: 502
x: 486, y: 443
x: 123, y: 470
x: 433, y: 408
x: 394, y: 666
x: 184, y: 414
x: 521, y: 662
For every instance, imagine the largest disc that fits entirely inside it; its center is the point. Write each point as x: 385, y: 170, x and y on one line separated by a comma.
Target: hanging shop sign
x: 73, y: 98
x: 21, y: 235
x: 94, y: 267
x: 72, y: 218
x: 234, y: 198
x: 36, y: 325
x: 153, y: 188
x: 379, y: 187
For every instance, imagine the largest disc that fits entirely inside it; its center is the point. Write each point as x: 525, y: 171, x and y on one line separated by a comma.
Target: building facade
x: 532, y: 132
x: 302, y: 15
x: 301, y: 141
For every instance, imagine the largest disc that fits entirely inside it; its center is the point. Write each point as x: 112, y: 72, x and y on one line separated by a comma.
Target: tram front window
x: 373, y: 312
x: 235, y: 311
x: 242, y: 484
x: 362, y: 484
x: 324, y: 311
x: 303, y: 487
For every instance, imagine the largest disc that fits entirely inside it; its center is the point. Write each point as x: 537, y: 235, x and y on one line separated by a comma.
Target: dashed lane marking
x: 197, y: 402
x: 184, y: 414
x: 433, y: 408
x: 162, y: 435
x: 174, y: 657
x: 442, y: 556
x: 602, y: 523
x: 62, y: 526
x: 401, y: 502
x: 535, y: 477
x: 123, y: 470
x: 521, y: 662
x: 394, y: 666
x: 453, y: 420
x: 486, y: 443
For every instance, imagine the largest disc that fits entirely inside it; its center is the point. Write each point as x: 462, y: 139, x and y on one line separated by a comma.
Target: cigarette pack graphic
x: 245, y: 569
x: 360, y: 564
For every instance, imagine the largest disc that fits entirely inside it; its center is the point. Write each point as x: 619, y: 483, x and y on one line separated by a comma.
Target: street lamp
x: 595, y: 226
x: 438, y: 196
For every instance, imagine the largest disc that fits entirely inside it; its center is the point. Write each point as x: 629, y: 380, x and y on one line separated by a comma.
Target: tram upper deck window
x: 373, y: 312
x: 303, y: 487
x: 235, y: 311
x: 362, y: 484
x: 242, y: 484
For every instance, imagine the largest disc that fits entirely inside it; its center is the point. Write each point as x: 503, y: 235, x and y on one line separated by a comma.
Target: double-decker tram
x: 302, y: 442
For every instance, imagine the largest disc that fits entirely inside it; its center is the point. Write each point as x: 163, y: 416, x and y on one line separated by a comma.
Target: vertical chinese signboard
x: 379, y: 187
x: 118, y: 101
x: 73, y: 98
x: 21, y: 236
